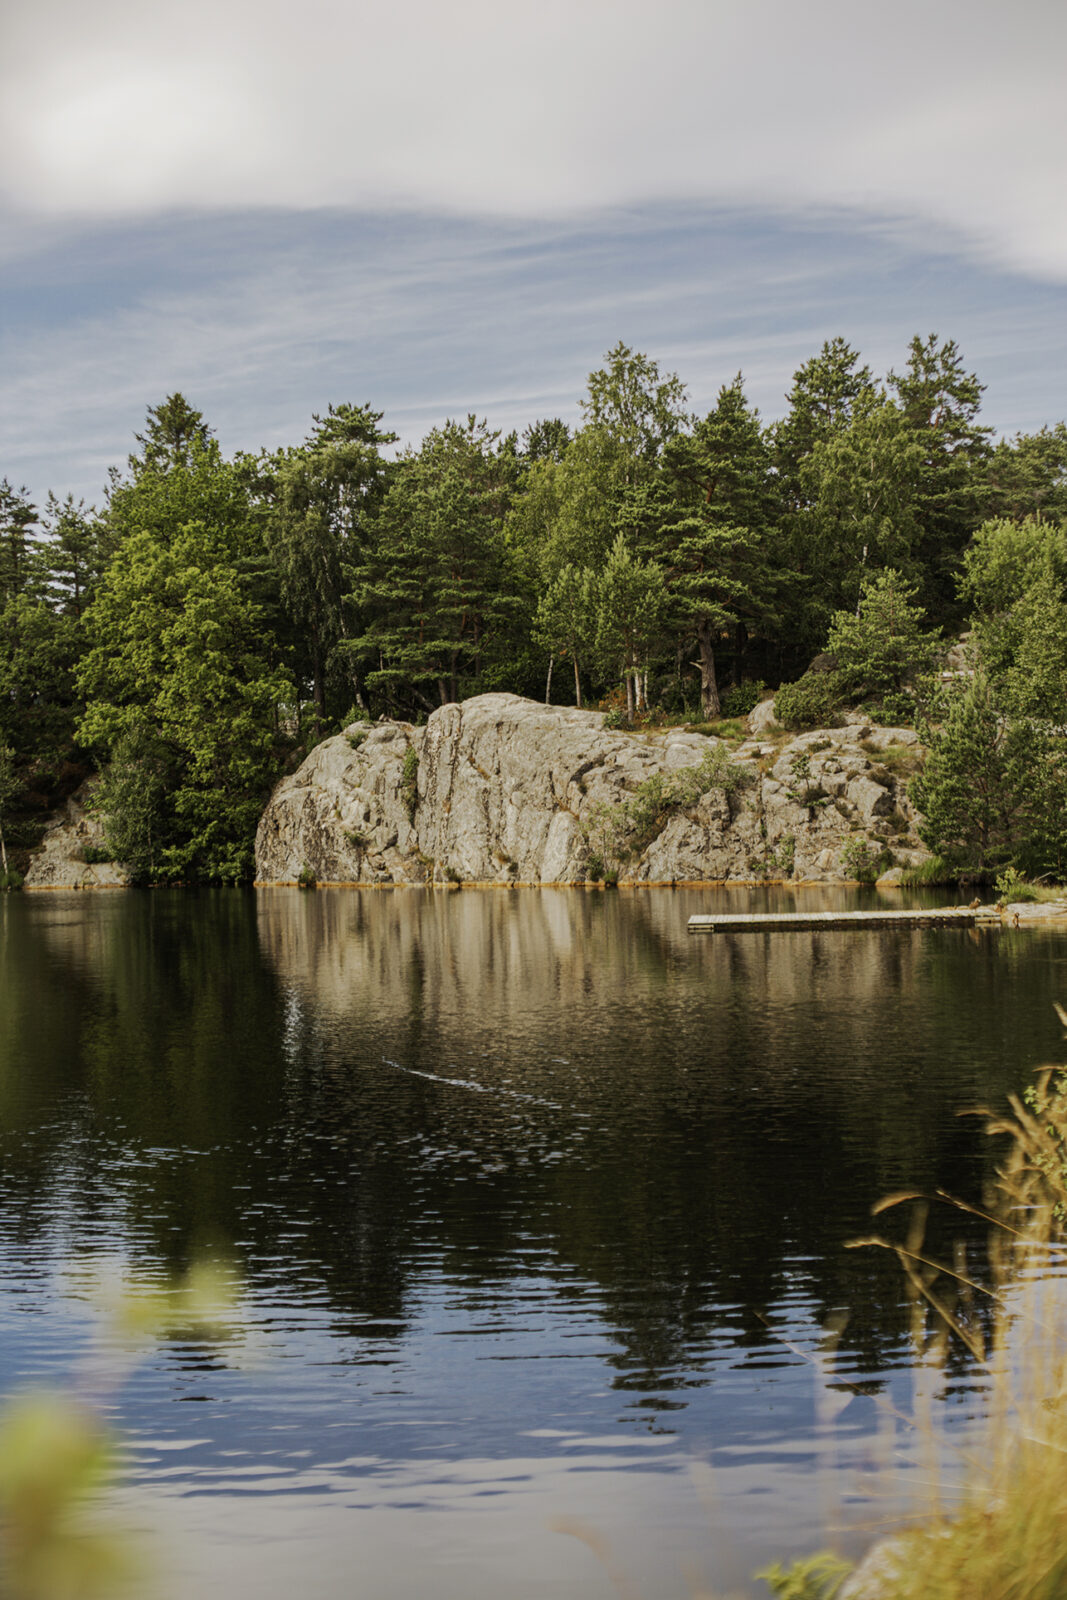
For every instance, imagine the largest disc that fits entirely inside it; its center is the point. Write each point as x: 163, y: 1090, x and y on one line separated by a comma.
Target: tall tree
x: 320, y: 500
x: 437, y: 592
x: 715, y: 539
x: 940, y: 402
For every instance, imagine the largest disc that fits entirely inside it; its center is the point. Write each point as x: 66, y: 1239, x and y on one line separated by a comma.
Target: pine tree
x: 716, y: 534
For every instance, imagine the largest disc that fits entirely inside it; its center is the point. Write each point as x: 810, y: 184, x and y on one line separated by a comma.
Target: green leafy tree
x: 10, y: 786
x: 940, y: 402
x: 882, y: 645
x: 566, y: 621
x: 71, y: 555
x: 631, y: 600
x: 861, y: 483
x: 18, y: 563
x: 1027, y: 475
x: 180, y: 671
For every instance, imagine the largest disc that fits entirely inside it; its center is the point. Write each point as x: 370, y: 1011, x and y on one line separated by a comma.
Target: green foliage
x: 993, y: 791
x: 306, y: 878
x: 620, y: 833
x: 615, y: 718
x: 882, y: 645
x: 743, y: 698
x: 10, y: 786
x: 783, y: 857
x: 805, y: 790
x: 817, y: 1577
x: 409, y: 780
x: 96, y: 854
x: 863, y: 861
x: 814, y: 701
x: 932, y: 873
x: 179, y: 679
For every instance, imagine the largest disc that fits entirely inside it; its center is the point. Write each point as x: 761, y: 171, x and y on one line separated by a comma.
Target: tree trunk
x: 628, y: 675
x: 577, y: 686
x: 3, y: 850
x: 709, y: 688
x: 548, y: 681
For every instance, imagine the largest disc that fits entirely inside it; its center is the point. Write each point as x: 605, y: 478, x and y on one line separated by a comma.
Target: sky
x: 439, y: 208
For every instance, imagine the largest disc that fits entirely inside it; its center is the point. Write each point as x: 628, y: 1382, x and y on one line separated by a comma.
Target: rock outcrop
x: 505, y: 790
x: 74, y: 833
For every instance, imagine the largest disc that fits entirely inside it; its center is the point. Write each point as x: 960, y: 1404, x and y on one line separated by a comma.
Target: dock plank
x: 795, y: 921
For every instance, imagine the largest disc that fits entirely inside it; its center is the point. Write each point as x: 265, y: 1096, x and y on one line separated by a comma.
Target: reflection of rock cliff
x: 510, y: 791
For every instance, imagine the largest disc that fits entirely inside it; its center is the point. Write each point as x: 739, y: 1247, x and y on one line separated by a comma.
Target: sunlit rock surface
x: 74, y: 831
x: 511, y: 791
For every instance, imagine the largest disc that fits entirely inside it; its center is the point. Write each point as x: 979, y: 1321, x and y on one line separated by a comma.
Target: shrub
x: 743, y: 698
x: 95, y: 854
x: 10, y: 879
x: 356, y: 736
x: 783, y: 857
x: 894, y: 710
x: 862, y: 860
x: 814, y: 701
x: 615, y: 718
x: 306, y: 878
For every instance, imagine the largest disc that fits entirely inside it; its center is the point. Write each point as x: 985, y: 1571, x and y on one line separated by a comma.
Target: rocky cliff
x: 75, y: 832
x: 505, y: 790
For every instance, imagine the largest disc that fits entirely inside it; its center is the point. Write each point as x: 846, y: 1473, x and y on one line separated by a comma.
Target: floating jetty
x: 798, y: 921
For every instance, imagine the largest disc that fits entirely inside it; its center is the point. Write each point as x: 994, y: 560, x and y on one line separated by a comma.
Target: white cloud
x: 945, y: 110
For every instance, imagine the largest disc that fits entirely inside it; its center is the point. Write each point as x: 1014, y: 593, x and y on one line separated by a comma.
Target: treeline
x: 217, y: 616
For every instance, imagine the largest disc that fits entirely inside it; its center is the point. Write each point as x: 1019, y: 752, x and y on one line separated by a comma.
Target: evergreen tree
x: 882, y: 645
x: 438, y: 592
x: 320, y: 500
x: 940, y: 402
x: 716, y: 536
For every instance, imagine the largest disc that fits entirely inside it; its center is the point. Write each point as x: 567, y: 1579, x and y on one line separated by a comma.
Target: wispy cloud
x: 263, y: 320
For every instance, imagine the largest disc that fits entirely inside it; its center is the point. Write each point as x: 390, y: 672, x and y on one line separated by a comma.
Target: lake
x: 537, y: 1206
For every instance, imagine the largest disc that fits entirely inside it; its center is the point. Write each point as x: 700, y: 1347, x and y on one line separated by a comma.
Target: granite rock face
x: 511, y: 791
x: 74, y: 831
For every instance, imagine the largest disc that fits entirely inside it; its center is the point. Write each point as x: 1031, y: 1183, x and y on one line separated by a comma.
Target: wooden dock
x: 799, y: 921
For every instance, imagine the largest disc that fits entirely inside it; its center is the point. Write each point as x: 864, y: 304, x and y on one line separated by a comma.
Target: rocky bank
x: 505, y: 790
x: 75, y: 831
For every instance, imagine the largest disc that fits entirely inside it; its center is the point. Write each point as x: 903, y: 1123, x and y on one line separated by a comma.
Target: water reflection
x: 501, y: 1168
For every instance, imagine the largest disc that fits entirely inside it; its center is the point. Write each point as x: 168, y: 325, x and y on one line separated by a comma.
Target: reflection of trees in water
x: 689, y: 1126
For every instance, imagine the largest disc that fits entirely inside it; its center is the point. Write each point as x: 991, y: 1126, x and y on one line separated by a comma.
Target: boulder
x: 511, y: 791
x: 75, y: 831
x: 761, y: 718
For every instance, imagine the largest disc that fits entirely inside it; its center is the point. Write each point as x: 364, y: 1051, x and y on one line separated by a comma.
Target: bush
x: 306, y: 878
x: 743, y: 698
x: 814, y: 701
x: 10, y: 879
x: 862, y: 860
x: 615, y: 718
x: 894, y: 710
x: 95, y: 854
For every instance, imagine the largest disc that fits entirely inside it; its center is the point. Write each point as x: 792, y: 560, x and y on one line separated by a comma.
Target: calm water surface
x: 538, y: 1204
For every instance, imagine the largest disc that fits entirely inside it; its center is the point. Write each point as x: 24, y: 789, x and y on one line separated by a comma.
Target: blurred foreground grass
x: 57, y: 1458
x: 1005, y: 1537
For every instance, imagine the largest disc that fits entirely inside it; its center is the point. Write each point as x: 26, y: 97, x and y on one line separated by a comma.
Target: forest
x: 197, y: 634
